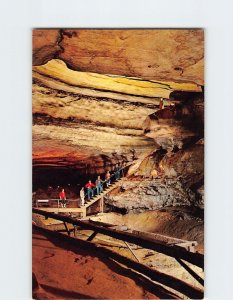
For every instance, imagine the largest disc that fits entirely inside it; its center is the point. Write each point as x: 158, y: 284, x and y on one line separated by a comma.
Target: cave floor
x: 67, y: 273
x: 172, y: 222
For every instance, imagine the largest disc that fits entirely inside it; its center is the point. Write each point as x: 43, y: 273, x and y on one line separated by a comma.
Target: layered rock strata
x: 91, y: 113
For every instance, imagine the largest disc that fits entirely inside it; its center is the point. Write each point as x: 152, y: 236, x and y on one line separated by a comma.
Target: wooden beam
x: 92, y: 236
x: 63, y: 209
x: 167, y: 280
x: 67, y: 229
x: 187, y: 268
x: 131, y: 250
x: 146, y: 242
x: 167, y: 240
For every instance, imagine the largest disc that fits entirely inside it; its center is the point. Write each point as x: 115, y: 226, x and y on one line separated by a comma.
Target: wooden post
x: 92, y: 236
x: 102, y: 204
x: 67, y: 229
x: 84, y: 212
x: 75, y: 230
x: 131, y: 250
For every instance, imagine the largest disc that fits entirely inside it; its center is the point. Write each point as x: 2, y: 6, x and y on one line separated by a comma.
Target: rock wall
x: 178, y: 161
x: 96, y: 104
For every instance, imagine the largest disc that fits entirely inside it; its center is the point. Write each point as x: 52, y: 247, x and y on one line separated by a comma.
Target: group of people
x: 91, y: 188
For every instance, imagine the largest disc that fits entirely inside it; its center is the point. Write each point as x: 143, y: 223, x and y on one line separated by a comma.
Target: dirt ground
x: 67, y: 273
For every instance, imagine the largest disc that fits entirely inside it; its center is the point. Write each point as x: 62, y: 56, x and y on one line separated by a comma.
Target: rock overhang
x: 93, y: 114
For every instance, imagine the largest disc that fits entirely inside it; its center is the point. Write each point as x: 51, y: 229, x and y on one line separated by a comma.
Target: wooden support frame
x: 162, y: 278
x: 146, y: 242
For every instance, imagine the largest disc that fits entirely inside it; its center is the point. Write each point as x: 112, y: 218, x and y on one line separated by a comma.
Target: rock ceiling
x: 170, y: 55
x: 94, y: 89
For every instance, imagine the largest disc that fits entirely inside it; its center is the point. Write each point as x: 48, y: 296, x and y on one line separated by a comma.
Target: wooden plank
x: 92, y: 236
x: 162, y: 278
x: 63, y: 209
x: 166, y: 240
x: 43, y: 201
x: 194, y: 258
x: 131, y: 250
x: 187, y: 268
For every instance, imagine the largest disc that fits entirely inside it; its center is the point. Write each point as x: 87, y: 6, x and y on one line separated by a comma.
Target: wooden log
x: 131, y: 250
x: 148, y: 243
x: 166, y: 240
x: 187, y: 268
x: 92, y: 236
x: 167, y: 280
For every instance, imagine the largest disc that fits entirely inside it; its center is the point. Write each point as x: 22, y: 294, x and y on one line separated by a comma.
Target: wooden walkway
x: 98, y: 199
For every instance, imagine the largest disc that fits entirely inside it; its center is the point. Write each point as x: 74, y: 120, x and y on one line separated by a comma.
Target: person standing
x: 89, y: 186
x: 99, y: 186
x: 82, y: 196
x: 117, y: 172
x: 161, y: 103
x: 62, y: 197
x: 107, y: 178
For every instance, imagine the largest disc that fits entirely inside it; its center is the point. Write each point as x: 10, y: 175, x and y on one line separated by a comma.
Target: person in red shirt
x: 62, y: 197
x: 89, y: 186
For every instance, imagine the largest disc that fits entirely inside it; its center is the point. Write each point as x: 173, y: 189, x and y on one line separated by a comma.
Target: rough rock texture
x: 152, y: 195
x: 96, y: 103
x: 45, y: 45
x: 180, y: 182
x: 174, y: 55
x: 176, y: 126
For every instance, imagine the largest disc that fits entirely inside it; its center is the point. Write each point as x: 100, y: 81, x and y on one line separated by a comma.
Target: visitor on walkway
x: 122, y: 187
x: 161, y: 103
x: 62, y: 197
x: 89, y: 186
x: 117, y: 172
x: 107, y: 178
x: 99, y: 185
x: 82, y: 196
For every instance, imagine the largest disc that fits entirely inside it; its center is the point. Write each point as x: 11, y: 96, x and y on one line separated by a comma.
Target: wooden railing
x: 146, y: 242
x: 162, y: 278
